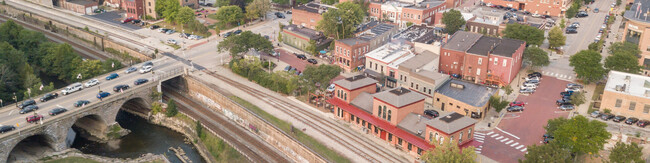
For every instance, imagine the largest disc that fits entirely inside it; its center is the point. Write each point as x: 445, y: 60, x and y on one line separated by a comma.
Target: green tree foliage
x: 449, y: 152
x: 229, y: 15
x: 624, y: 48
x: 168, y: 9
x: 497, y: 103
x: 243, y: 42
x: 257, y: 9
x: 581, y: 135
x: 596, y: 46
x: 9, y: 32
x: 453, y: 20
x: 587, y: 66
x: 626, y: 153
x: 284, y: 82
x: 156, y: 108
x: 554, y: 124
x: 507, y: 89
x: 221, y: 3
x: 546, y: 153
x: 330, y: 2
x: 283, y: 2
x: 171, y: 109
x: 624, y: 57
x: 556, y: 38
x: 185, y: 15
x: 321, y: 74
x: 311, y: 49
x: 197, y: 28
x: 341, y: 23
x: 536, y: 56
x: 573, y: 10
x: 199, y: 128
x: 531, y: 35
x: 578, y: 98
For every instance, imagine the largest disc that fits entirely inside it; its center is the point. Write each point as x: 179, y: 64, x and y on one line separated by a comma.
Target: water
x: 144, y: 138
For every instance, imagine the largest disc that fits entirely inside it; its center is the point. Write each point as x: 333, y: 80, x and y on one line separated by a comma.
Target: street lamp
x: 15, y: 99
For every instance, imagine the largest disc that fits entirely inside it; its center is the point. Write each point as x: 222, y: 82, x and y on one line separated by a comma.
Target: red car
x: 129, y: 19
x: 34, y: 118
x: 517, y: 103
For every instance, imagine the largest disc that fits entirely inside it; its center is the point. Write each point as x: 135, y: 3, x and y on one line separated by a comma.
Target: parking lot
x: 114, y: 18
x: 517, y: 130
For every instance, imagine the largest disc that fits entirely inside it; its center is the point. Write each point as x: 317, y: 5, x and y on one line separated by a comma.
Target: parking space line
x: 508, y: 133
x: 479, y: 136
x: 503, y: 140
x: 514, y: 144
x: 524, y: 150
x: 499, y: 138
x: 509, y: 142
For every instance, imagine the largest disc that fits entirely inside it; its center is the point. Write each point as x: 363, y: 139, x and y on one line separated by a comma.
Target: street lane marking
x: 514, y: 144
x: 495, y: 135
x: 509, y: 142
x: 478, y: 136
x: 12, y: 111
x: 508, y: 133
x: 523, y: 150
x: 499, y: 138
x: 519, y: 146
x: 478, y: 133
x: 490, y: 133
x: 506, y: 139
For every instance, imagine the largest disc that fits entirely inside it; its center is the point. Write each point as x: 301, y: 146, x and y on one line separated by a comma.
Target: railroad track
x: 225, y: 129
x: 372, y: 151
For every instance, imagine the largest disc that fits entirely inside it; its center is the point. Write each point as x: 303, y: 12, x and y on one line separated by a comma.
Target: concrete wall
x: 271, y: 134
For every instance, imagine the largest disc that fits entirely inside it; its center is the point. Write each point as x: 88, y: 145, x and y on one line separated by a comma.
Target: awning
x: 371, y: 73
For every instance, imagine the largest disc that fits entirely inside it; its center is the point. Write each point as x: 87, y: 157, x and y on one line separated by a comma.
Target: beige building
x: 462, y: 97
x: 420, y: 74
x: 627, y: 95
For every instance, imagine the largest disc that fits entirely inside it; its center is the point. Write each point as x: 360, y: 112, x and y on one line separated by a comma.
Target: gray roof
x: 450, y: 123
x: 419, y: 60
x: 399, y: 97
x: 472, y: 94
x: 497, y: 46
x: 366, y: 26
x: 312, y: 7
x: 363, y: 101
x: 355, y: 82
x: 638, y: 15
x: 462, y: 41
x: 312, y: 34
x: 413, y: 123
x: 352, y: 41
x: 507, y: 47
x: 484, y: 45
x: 418, y: 33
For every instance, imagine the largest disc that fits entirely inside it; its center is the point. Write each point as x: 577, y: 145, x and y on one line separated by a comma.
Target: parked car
x: 301, y: 56
x: 195, y: 37
x: 565, y: 107
x: 120, y: 87
x: 49, y: 96
x: 91, y: 82
x: 563, y: 101
x: 526, y: 91
x: 237, y: 32
x: 126, y: 20
x: 81, y: 103
x: 26, y: 103
x: 532, y: 78
x: 6, y: 128
x: 146, y: 69
x: 574, y: 85
x: 618, y: 118
x: 631, y: 120
x: 172, y: 41
x: 582, y: 14
x: 287, y: 68
x: 112, y: 76
x: 57, y: 111
x: 279, y: 15
x: 642, y: 123
x: 101, y: 95
x: 432, y: 113
x: 571, y: 30
x: 33, y: 118
x: 515, y: 108
x: 170, y: 31
x: 28, y: 109
x: 536, y: 82
x: 148, y: 63
x: 595, y: 114
x: 227, y: 34
x: 72, y: 88
x: 140, y: 81
x: 537, y: 74
x: 163, y: 30
x: 154, y: 27
x: 184, y: 35
x: 573, y: 89
x: 517, y: 103
x: 596, y: 10
x: 566, y: 93
x: 606, y: 116
x: 312, y: 61
x: 130, y: 70
x: 576, y: 24
x: 528, y: 86
x: 548, y: 140
x: 535, y: 15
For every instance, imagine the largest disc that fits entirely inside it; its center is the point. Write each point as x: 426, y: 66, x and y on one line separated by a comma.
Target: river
x: 144, y: 138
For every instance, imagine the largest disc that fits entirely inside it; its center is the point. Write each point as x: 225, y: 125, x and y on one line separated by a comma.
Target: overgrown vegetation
x: 277, y: 81
x: 171, y: 109
x: 123, y: 55
x: 72, y: 160
x: 219, y: 149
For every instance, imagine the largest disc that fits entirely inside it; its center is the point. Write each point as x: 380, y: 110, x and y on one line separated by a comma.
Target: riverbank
x: 75, y: 156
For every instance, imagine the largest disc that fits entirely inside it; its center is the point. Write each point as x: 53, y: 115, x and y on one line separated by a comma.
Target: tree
x: 229, y: 15
x: 283, y: 2
x: 587, y: 66
x: 562, y: 23
x: 217, y: 30
x: 171, y: 109
x: 342, y: 21
x: 453, y: 20
x: 257, y: 9
x: 624, y: 48
x: 221, y: 3
x: 536, y: 56
x: 9, y: 32
x: 185, y: 15
x: 449, y: 152
x: 507, y: 89
x: 596, y: 46
x: 554, y: 124
x: 311, y: 49
x: 330, y: 2
x: 581, y: 135
x: 321, y: 74
x: 245, y: 41
x: 556, y: 38
x: 546, y: 153
x: 530, y: 34
x: 168, y: 9
x: 626, y: 153
x: 199, y: 129
x: 497, y: 103
x: 623, y: 62
x: 578, y: 98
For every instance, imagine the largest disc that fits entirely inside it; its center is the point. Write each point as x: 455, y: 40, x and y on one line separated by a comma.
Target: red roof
x: 415, y: 140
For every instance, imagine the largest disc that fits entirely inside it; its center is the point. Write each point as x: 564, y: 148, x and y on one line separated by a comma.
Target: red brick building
x: 482, y: 59
x: 79, y: 6
x: 418, y: 12
x: 350, y: 52
x: 395, y: 116
x: 542, y: 7
x: 308, y: 15
x: 133, y: 8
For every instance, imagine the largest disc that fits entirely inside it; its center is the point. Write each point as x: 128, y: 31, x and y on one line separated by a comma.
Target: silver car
x: 131, y: 69
x: 91, y: 83
x: 527, y: 91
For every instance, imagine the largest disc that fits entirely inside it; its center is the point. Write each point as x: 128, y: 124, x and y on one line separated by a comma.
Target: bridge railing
x: 169, y: 73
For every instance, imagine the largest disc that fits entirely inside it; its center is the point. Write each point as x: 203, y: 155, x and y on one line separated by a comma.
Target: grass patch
x: 72, y: 160
x: 599, y: 90
x: 213, y: 16
x: 185, y: 119
x: 174, y: 46
x: 219, y: 149
x: 309, y: 141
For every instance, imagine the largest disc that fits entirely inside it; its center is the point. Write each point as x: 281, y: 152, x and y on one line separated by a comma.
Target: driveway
x: 115, y: 18
x: 509, y: 141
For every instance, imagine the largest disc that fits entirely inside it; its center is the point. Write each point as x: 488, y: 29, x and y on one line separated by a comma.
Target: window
x: 379, y: 111
x: 618, y: 103
x: 376, y: 130
x: 345, y: 96
x: 150, y: 4
x: 410, y: 146
x: 424, y: 89
x: 390, y: 137
x: 382, y: 68
x: 389, y: 113
x: 442, y: 139
x: 451, y: 104
x: 451, y: 139
x: 647, y: 49
x: 357, y: 120
x: 646, y: 108
x: 399, y: 141
x: 384, y: 113
x: 632, y: 105
x: 496, y: 61
x: 404, y: 78
x: 417, y: 86
x: 351, y: 117
x: 460, y: 137
x: 437, y: 99
x: 437, y: 136
x: 419, y: 151
x: 429, y: 91
x: 478, y: 71
x: 504, y: 63
x: 480, y: 60
x: 430, y: 136
x: 363, y: 123
x: 469, y: 133
x: 411, y: 84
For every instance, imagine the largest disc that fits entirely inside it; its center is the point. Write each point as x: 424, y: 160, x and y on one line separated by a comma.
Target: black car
x: 515, y: 108
x: 631, y: 120
x: 642, y: 123
x: 566, y: 93
x: 526, y: 13
x: 618, y: 118
x: 81, y: 103
x: 4, y: 129
x: 57, y: 111
x: 535, y: 74
x: 546, y: 16
x: 301, y: 56
x: 563, y: 101
x: 27, y: 103
x: 140, y: 81
x: 237, y: 31
x: 582, y: 14
x: 49, y: 96
x: 227, y: 34
x: 432, y: 113
x: 313, y: 61
x: 547, y: 136
x: 571, y: 30
x: 28, y: 109
x: 513, y: 10
x: 119, y: 88
x: 607, y: 116
x: 279, y: 15
x: 154, y: 27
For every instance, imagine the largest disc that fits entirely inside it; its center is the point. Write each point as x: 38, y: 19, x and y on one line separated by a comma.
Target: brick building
x: 308, y: 15
x: 350, y: 52
x: 134, y: 8
x: 627, y: 95
x: 150, y: 8
x: 482, y: 59
x: 484, y: 22
x: 555, y: 8
x: 637, y: 31
x: 79, y: 6
x: 420, y: 74
x: 395, y: 116
x: 464, y: 98
x: 418, y: 12
x: 385, y: 60
x: 299, y: 37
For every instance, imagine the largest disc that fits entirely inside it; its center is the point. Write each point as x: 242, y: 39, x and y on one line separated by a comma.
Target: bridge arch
x: 138, y: 105
x: 92, y: 125
x: 32, y: 146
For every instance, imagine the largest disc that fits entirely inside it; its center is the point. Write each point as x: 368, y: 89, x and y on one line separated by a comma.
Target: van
x: 72, y: 88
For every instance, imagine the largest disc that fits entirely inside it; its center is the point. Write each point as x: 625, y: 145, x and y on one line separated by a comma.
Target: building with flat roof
x: 79, y: 6
x: 299, y: 37
x: 637, y: 31
x: 308, y: 15
x: 627, y: 95
x: 350, y: 53
x: 420, y: 74
x: 396, y: 116
x: 418, y: 12
x: 134, y: 8
x: 486, y: 22
x: 462, y: 97
x: 386, y: 59
x: 555, y: 8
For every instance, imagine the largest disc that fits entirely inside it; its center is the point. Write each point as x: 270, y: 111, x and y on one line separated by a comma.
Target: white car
x: 91, y: 83
x: 532, y: 78
x: 172, y: 41
x: 536, y: 15
x: 146, y: 69
x: 574, y: 89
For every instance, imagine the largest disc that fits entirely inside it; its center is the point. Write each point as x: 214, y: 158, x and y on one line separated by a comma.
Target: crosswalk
x: 500, y: 138
x: 558, y: 75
